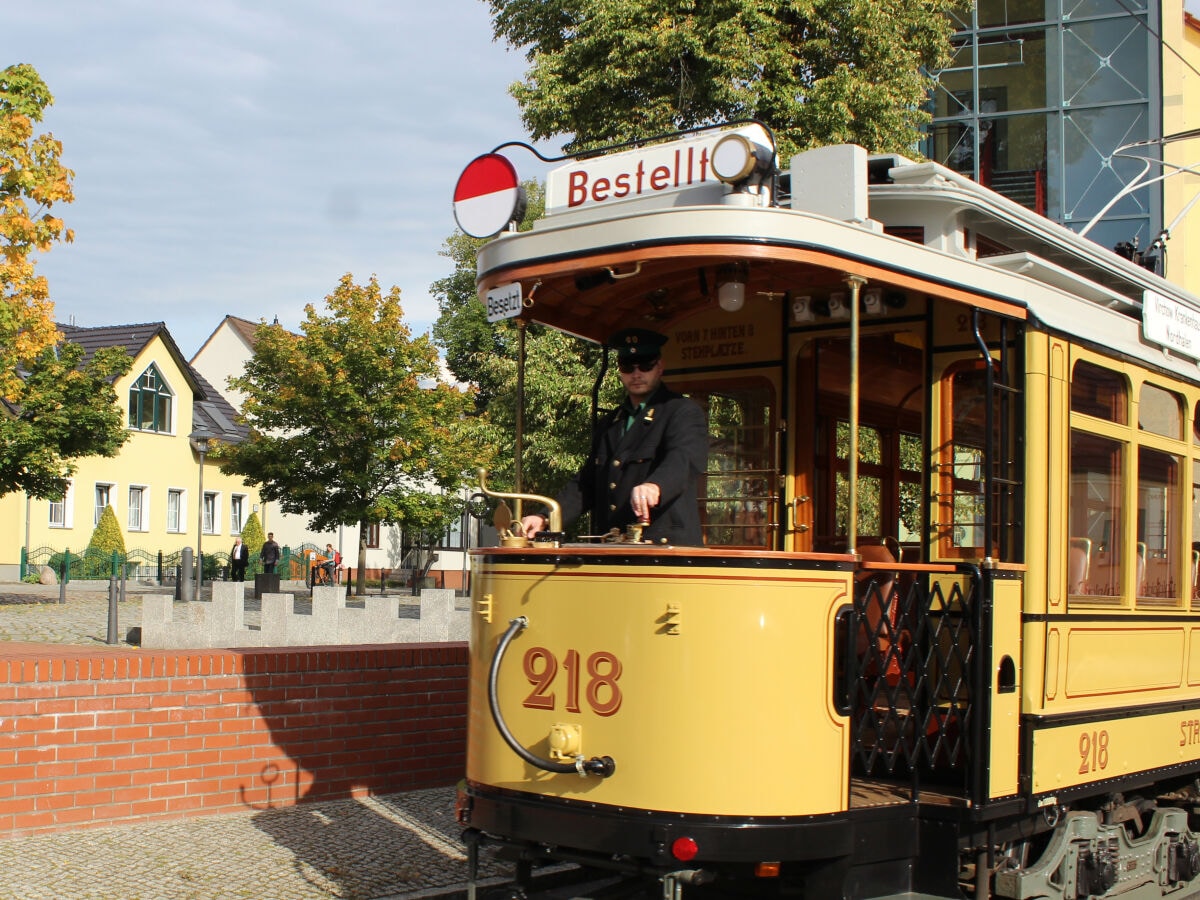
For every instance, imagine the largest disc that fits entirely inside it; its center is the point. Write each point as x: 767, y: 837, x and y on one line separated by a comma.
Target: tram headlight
x: 735, y: 158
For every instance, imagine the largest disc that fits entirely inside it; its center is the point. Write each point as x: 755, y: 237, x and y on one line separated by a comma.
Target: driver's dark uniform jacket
x: 667, y: 444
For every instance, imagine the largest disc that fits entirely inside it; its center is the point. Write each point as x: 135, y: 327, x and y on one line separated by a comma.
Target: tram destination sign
x: 659, y: 170
x: 1171, y: 324
x: 504, y: 302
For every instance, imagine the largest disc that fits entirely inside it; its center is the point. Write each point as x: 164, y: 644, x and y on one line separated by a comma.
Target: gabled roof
x: 243, y: 328
x: 133, y: 338
x: 210, y: 410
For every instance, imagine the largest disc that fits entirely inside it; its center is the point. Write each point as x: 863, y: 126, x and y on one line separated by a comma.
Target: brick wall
x: 100, y: 737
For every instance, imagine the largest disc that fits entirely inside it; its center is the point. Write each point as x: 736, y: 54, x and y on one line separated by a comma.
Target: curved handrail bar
x: 555, y: 510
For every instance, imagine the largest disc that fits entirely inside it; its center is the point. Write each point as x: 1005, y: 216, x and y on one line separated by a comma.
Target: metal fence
x: 159, y: 566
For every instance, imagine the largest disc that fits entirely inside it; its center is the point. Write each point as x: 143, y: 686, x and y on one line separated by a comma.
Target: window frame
x: 161, y: 393
x: 237, y: 504
x: 180, y: 526
x: 66, y: 507
x: 212, y: 511
x: 1142, y: 445
x: 105, y: 489
x: 143, y: 508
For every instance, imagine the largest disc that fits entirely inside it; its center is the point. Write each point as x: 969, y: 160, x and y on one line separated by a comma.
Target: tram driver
x: 647, y: 454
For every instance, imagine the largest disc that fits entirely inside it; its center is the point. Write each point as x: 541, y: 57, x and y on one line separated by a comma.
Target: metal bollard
x: 112, y: 609
x: 187, y: 576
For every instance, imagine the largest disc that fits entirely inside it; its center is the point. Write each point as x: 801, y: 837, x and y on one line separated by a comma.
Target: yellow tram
x: 942, y: 638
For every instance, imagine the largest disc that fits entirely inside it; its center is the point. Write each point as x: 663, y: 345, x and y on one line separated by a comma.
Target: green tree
x: 351, y: 422
x: 252, y: 533
x: 816, y: 71
x: 559, y: 375
x: 63, y: 411
x: 53, y: 408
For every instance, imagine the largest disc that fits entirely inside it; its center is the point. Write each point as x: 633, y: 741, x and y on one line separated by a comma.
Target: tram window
x: 889, y: 495
x: 963, y: 505
x: 1196, y: 435
x: 1158, y: 524
x: 912, y: 457
x: 1095, y: 517
x: 738, y: 491
x: 869, y: 495
x: 1099, y: 392
x: 870, y: 506
x: 892, y: 456
x: 1159, y: 412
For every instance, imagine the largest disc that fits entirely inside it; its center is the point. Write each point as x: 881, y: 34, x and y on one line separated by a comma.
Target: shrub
x: 252, y: 534
x: 107, y: 537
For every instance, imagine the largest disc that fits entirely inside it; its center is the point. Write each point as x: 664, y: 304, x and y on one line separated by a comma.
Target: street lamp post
x: 199, y: 440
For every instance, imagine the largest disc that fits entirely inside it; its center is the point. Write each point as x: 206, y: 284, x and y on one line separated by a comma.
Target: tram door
x: 891, y: 458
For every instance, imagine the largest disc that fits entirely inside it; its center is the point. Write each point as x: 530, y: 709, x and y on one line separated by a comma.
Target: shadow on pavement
x: 373, y: 847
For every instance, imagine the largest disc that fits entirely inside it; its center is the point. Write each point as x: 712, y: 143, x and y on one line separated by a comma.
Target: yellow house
x: 162, y: 498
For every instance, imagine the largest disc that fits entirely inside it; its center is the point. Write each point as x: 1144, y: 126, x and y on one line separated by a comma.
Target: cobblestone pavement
x: 32, y: 612
x: 394, y: 846
x: 372, y: 848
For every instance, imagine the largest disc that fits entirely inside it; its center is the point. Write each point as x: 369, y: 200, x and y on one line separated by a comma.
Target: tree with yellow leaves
x: 53, y: 407
x: 32, y: 180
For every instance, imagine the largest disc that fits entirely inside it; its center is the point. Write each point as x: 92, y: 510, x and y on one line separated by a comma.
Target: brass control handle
x: 797, y: 525
x: 555, y: 509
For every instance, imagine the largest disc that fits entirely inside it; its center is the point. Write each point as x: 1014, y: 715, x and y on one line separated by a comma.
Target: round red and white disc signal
x: 488, y: 196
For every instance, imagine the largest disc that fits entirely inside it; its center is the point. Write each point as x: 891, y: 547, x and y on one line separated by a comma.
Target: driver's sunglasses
x: 647, y: 366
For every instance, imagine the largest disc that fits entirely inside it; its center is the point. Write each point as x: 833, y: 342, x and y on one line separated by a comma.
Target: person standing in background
x: 269, y: 554
x: 238, y: 557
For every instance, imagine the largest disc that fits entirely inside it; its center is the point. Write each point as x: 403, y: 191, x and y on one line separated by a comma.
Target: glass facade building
x: 1040, y: 95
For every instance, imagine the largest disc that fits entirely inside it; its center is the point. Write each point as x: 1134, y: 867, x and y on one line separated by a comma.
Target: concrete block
x: 437, y: 608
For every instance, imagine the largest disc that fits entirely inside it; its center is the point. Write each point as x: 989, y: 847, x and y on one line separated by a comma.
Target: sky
x: 238, y: 157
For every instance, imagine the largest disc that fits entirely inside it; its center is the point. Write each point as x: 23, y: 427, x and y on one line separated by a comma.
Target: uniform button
x: 612, y: 507
x: 612, y: 485
x: 616, y: 464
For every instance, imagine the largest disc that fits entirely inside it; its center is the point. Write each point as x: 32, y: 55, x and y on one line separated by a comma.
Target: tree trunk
x: 360, y: 583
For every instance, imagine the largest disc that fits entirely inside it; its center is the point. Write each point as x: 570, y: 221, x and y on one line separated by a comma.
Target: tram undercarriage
x: 1131, y: 850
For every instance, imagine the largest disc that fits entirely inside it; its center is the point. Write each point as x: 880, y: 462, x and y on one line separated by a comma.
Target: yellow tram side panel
x: 1045, y: 496
x: 725, y: 684
x: 1005, y: 731
x: 1072, y: 755
x: 1098, y: 665
x: 1046, y: 506
x: 1103, y: 654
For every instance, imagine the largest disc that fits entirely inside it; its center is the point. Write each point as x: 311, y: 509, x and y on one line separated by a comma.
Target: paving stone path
x: 373, y: 848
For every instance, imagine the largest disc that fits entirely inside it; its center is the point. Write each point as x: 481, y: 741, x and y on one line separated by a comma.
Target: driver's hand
x: 531, y: 525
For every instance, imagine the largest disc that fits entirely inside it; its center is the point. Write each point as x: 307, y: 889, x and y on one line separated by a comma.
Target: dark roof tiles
x: 210, y: 410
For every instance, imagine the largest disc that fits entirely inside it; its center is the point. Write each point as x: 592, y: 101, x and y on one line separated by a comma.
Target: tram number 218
x: 1093, y: 751
x: 592, y: 680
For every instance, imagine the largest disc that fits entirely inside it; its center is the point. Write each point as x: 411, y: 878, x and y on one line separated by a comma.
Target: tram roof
x: 838, y: 208
x: 908, y: 187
